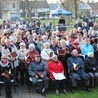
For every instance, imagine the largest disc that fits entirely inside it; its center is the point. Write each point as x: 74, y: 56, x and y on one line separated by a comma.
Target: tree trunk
x: 76, y: 9
x: 66, y: 4
x: 28, y: 10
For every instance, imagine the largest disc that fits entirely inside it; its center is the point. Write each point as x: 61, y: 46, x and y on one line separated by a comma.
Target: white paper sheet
x: 74, y: 65
x: 59, y: 76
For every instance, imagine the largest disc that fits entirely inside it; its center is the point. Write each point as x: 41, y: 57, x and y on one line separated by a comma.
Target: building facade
x: 10, y: 8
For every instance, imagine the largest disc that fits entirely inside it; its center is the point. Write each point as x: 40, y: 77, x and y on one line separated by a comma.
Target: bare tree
x: 29, y: 7
x: 67, y: 4
x: 0, y: 8
x: 33, y: 6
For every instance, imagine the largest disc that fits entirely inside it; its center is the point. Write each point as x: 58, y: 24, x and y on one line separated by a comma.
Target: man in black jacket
x: 91, y: 67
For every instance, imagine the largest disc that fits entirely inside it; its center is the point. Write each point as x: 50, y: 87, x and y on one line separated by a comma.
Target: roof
x: 62, y: 11
x: 52, y: 6
x: 93, y: 5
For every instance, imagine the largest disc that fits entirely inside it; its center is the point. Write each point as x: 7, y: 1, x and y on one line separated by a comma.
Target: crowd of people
x: 37, y: 51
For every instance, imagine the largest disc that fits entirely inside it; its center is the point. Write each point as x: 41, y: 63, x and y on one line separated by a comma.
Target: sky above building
x: 54, y: 1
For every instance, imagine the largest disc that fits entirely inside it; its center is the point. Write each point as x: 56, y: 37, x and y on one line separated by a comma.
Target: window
x: 13, y: 5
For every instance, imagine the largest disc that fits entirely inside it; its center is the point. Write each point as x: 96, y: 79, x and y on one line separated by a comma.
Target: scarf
x: 4, y: 64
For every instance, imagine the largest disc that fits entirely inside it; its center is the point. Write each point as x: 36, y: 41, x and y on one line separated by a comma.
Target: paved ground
x: 22, y: 92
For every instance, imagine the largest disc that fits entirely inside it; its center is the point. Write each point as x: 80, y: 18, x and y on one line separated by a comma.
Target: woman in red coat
x: 32, y: 52
x: 55, y: 67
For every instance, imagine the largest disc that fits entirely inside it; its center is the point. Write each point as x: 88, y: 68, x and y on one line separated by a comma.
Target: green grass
x: 77, y: 94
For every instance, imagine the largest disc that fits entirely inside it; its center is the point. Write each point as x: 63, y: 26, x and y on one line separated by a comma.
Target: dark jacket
x: 54, y: 48
x: 91, y: 63
x: 2, y: 69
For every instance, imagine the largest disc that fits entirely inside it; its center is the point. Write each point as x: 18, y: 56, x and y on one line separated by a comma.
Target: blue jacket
x: 75, y: 60
x: 87, y: 48
x: 34, y: 68
x: 80, y: 62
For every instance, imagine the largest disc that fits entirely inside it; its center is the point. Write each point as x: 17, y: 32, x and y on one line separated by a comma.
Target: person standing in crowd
x: 93, y: 34
x: 77, y: 71
x: 31, y: 52
x: 8, y: 49
x: 53, y: 45
x: 55, y: 66
x: 18, y: 41
x: 73, y: 32
x: 64, y: 56
x: 40, y: 42
x: 90, y: 32
x: 94, y: 43
x: 22, y: 65
x: 37, y: 71
x: 3, y: 38
x: 85, y: 26
x: 79, y: 39
x: 42, y: 29
x: 31, y: 40
x: 5, y: 66
x: 61, y: 24
x: 46, y: 54
x: 30, y: 55
x: 90, y: 23
x: 79, y: 30
x: 61, y: 21
x: 91, y: 67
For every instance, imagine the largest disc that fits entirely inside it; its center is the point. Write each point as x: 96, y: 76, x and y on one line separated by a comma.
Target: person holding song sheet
x: 30, y: 55
x: 46, y: 54
x: 22, y: 65
x: 56, y: 72
x: 12, y: 56
x: 5, y: 75
x: 63, y: 55
x: 76, y: 67
x: 37, y: 71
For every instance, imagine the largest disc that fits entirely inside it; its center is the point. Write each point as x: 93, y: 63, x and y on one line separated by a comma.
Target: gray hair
x: 32, y: 45
x: 46, y: 43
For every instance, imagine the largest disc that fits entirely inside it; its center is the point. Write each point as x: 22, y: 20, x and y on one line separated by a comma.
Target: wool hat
x: 76, y: 43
